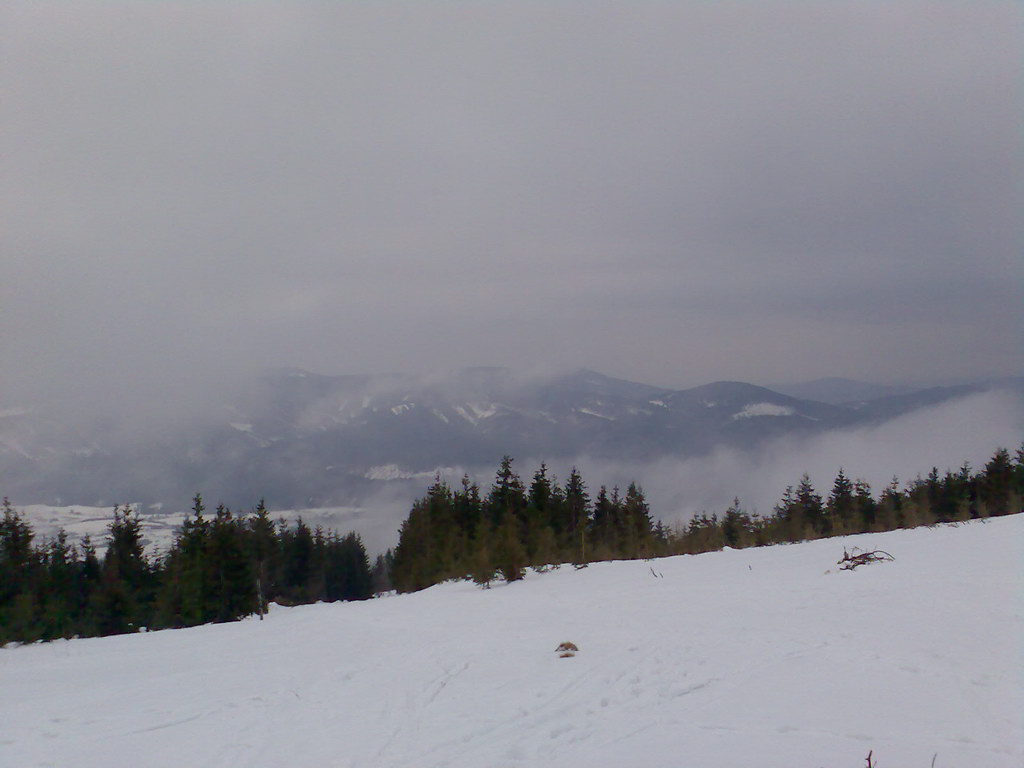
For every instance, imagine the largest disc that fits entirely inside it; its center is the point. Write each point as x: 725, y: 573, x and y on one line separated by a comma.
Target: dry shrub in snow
x: 849, y: 561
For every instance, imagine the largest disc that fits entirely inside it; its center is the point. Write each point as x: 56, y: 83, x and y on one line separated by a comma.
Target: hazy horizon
x: 667, y: 193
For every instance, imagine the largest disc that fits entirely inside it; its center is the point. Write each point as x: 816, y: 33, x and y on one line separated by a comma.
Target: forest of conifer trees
x: 461, y: 532
x: 226, y: 566
x: 453, y: 533
x: 219, y: 568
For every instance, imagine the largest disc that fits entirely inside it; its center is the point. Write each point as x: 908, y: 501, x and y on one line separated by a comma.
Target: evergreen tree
x: 784, y: 524
x: 124, y: 597
x: 809, y: 510
x: 540, y: 489
x: 1018, y: 472
x: 59, y: 583
x: 736, y: 526
x: 955, y: 494
x: 16, y: 555
x: 409, y: 569
x: 509, y: 554
x: 297, y: 548
x: 840, y: 508
x: 545, y: 550
x: 704, y: 534
x: 87, y: 579
x: 15, y: 537
x: 207, y: 575
x: 507, y: 494
x: 263, y: 555
x: 481, y: 559
x: 602, y: 531
x: 231, y: 580
x: 890, y: 507
x: 865, y: 508
x: 347, y: 570
x: 539, y: 536
x: 447, y: 540
x: 557, y: 517
x: 19, y: 573
x: 468, y: 508
x: 577, y: 516
x: 637, y: 519
x: 997, y: 484
x: 184, y: 595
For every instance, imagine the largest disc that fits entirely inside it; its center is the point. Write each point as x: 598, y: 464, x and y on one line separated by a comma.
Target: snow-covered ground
x: 78, y: 521
x: 761, y: 657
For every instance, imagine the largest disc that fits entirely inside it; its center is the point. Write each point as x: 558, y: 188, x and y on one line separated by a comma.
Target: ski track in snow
x: 767, y: 657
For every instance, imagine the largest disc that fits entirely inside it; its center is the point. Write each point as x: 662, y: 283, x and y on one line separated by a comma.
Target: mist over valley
x: 352, y: 452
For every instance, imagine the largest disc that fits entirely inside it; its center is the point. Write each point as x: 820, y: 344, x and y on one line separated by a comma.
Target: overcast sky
x: 670, y: 192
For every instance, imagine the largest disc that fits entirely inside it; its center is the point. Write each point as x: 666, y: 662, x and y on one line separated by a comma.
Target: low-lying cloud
x: 945, y: 436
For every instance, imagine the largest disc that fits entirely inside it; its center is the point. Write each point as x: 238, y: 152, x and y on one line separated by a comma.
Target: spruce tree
x: 507, y: 494
x: 262, y: 552
x: 809, y: 510
x: 866, y: 510
x: 481, y: 559
x: 192, y: 588
x: 577, y: 515
x: 19, y: 573
x: 637, y: 517
x: 124, y: 598
x: 231, y: 577
x: 602, y: 533
x: 509, y: 554
x: 297, y: 548
x: 468, y: 508
x: 890, y: 507
x: 60, y: 600
x: 997, y: 484
x: 409, y: 569
x: 347, y: 569
x: 839, y: 510
x: 736, y: 526
x: 540, y: 489
x: 16, y: 553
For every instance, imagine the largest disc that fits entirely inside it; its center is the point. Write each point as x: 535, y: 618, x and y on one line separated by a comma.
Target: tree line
x: 227, y: 566
x: 219, y: 568
x: 451, y: 533
x: 851, y: 507
x: 457, y: 533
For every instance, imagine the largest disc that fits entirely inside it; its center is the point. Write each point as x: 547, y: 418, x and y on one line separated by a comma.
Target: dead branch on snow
x: 851, y: 560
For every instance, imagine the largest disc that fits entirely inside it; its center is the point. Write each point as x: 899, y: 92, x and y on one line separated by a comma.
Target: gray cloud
x: 672, y: 193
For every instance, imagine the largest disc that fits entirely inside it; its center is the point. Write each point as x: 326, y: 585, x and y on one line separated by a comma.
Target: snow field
x: 757, y: 657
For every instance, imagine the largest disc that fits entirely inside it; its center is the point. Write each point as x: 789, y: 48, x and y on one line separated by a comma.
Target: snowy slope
x: 764, y: 657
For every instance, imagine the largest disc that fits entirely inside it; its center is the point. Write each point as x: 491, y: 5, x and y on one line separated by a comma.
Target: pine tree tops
x: 15, y: 538
x: 453, y: 534
x: 507, y: 494
x: 540, y: 489
x: 839, y: 509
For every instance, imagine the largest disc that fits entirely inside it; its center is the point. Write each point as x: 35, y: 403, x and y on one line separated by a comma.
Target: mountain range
x: 305, y: 439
